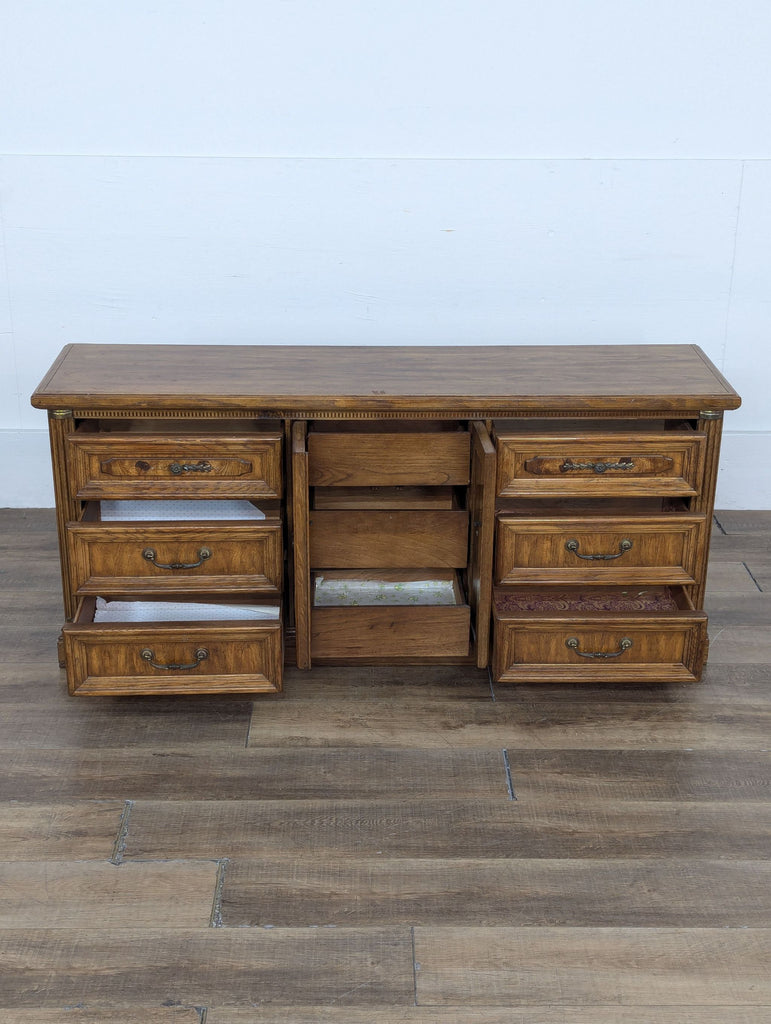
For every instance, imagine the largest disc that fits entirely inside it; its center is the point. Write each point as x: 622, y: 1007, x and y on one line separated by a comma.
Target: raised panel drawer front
x: 121, y: 659
x: 635, y: 462
x: 137, y: 465
x: 390, y: 633
x: 584, y: 636
x: 663, y: 549
x: 177, y: 557
x: 388, y: 458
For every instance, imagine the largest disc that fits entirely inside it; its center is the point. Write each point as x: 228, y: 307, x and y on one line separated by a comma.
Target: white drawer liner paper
x: 177, y: 611
x: 171, y: 510
x: 374, y: 592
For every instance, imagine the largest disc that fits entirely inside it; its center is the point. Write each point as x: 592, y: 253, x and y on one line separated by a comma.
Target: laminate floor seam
x: 752, y: 577
x: 215, y: 921
x: 119, y: 847
x: 415, y: 966
x: 509, y: 780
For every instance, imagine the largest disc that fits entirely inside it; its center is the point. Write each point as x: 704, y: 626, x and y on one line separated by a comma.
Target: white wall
x: 375, y: 171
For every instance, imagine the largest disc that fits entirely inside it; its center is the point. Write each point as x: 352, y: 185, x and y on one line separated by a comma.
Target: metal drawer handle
x: 200, y: 655
x: 598, y: 467
x: 203, y: 554
x: 202, y: 466
x: 623, y: 645
x: 624, y: 546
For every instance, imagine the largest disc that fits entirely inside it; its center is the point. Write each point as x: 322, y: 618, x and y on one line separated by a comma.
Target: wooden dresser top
x: 289, y: 380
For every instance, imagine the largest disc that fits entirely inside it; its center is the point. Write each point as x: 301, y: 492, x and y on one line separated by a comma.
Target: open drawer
x: 376, y: 615
x: 177, y: 556
x: 591, y: 634
x: 115, y: 649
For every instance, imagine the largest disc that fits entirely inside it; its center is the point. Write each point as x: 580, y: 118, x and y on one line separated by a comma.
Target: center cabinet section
x: 391, y: 542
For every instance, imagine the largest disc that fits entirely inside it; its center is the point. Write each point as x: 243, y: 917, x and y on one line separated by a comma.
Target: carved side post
x: 711, y: 424
x: 301, y: 544
x: 60, y: 424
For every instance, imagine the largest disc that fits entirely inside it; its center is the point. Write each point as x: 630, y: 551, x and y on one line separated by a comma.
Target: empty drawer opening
x: 172, y: 425
x: 116, y: 610
x: 386, y: 498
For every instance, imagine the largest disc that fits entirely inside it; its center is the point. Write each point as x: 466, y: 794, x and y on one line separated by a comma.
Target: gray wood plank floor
x: 388, y: 845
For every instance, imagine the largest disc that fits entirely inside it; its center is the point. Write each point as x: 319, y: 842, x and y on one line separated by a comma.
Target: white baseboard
x: 25, y: 470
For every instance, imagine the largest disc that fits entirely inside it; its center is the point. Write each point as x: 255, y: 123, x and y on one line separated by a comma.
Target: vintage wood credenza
x: 541, y: 510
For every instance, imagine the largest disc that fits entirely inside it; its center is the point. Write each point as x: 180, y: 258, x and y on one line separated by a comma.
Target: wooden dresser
x: 541, y: 510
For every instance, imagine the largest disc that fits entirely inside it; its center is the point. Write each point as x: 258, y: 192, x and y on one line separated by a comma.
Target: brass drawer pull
x: 202, y: 466
x: 150, y: 556
x: 623, y: 645
x: 624, y: 546
x: 598, y: 467
x: 200, y: 655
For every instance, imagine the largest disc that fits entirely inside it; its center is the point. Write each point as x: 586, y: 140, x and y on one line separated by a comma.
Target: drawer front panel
x: 653, y: 464
x: 434, y: 458
x: 629, y: 649
x: 112, y: 465
x: 176, y: 558
x: 167, y: 659
x: 359, y: 540
x: 594, y: 550
x: 390, y: 632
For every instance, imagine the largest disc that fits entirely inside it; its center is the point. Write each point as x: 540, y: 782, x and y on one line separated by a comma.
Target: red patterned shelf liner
x: 657, y: 599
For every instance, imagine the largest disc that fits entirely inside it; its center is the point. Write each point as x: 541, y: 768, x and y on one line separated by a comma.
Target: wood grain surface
x: 533, y: 1014
x: 330, y: 377
x: 517, y: 966
x: 388, y: 844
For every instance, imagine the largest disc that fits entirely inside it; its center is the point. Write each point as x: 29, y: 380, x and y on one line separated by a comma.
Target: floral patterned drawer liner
x: 351, y: 592
x: 649, y: 599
